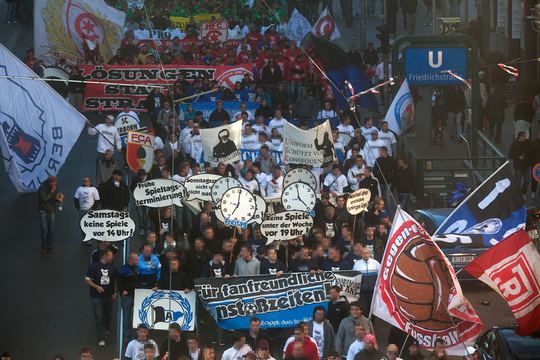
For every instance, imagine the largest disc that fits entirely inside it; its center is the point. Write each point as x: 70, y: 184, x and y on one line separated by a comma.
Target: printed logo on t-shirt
x: 217, y: 273
x: 105, y: 279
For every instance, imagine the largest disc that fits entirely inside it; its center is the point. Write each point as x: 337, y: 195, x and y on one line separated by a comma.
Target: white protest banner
x: 125, y: 122
x: 107, y: 225
x: 311, y: 147
x: 358, y: 201
x: 287, y: 225
x: 221, y: 144
x: 215, y: 31
x: 158, y: 309
x: 200, y: 186
x: 238, y: 207
x: 159, y: 193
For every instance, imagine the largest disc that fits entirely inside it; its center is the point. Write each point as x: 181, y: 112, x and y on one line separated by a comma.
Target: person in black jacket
x: 215, y: 268
x: 405, y: 183
x: 370, y: 183
x: 76, y: 89
x: 128, y: 281
x: 142, y: 211
x: 48, y: 198
x: 384, y: 168
x: 338, y: 307
x: 255, y: 334
x: 154, y: 102
x: 114, y: 194
x: 520, y: 154
x: 175, y: 279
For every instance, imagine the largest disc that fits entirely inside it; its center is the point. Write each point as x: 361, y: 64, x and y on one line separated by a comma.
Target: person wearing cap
x: 114, y: 193
x: 48, y: 198
x: 108, y: 139
x: 472, y: 353
x: 135, y: 349
x: 263, y: 350
x: 369, y: 352
x: 178, y: 344
x: 414, y: 351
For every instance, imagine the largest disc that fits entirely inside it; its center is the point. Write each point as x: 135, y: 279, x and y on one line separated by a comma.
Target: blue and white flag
x: 38, y: 127
x: 492, y: 212
x: 297, y: 28
x: 400, y: 115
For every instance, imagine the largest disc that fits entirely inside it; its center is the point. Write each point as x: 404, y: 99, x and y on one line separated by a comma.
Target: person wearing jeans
x: 128, y: 281
x: 101, y: 280
x: 48, y: 198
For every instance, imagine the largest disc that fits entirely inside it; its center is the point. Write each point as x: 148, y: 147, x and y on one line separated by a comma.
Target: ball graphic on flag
x: 421, y: 283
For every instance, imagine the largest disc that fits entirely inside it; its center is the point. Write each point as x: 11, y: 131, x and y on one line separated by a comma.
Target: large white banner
x: 311, y: 147
x: 61, y: 27
x: 222, y: 144
x: 38, y: 127
x: 158, y: 309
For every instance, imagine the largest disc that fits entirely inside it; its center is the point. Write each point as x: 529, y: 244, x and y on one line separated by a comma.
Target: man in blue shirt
x: 149, y: 268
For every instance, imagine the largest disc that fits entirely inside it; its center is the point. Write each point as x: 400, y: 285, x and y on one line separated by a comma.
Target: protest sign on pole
x: 222, y: 144
x: 159, y: 193
x: 287, y: 225
x: 358, y: 201
x: 199, y: 187
x: 107, y: 225
x: 310, y: 147
x: 158, y: 309
x: 279, y: 302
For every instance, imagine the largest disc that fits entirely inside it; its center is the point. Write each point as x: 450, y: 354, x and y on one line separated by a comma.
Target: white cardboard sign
x: 199, y: 187
x: 159, y: 193
x: 358, y: 201
x: 107, y: 225
x: 287, y: 225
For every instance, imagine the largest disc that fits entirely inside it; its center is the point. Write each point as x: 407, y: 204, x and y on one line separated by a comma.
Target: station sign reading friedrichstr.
x: 429, y: 66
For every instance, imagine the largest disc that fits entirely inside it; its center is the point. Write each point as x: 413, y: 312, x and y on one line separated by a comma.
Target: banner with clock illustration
x: 238, y: 207
x: 222, y: 143
x: 301, y: 175
x: 310, y: 147
x: 280, y: 302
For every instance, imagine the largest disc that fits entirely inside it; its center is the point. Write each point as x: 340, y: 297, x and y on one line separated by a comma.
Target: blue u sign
x: 429, y: 66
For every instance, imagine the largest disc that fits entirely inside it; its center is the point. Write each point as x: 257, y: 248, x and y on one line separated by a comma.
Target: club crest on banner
x: 161, y: 308
x: 71, y: 29
x: 139, y: 151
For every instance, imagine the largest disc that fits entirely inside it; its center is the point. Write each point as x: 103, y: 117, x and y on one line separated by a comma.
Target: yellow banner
x: 182, y: 21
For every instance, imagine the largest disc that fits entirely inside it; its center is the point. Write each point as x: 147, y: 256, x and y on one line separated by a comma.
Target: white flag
x: 400, y: 115
x: 326, y: 27
x: 38, y: 127
x: 65, y: 28
x: 310, y: 147
x: 297, y: 27
x: 222, y: 144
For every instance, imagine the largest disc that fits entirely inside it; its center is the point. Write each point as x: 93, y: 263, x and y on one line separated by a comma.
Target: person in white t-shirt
x: 388, y: 137
x: 108, y: 138
x: 135, y: 348
x: 358, y: 344
x: 274, y: 185
x: 356, y: 173
x: 346, y: 131
x: 249, y: 182
x: 326, y: 112
x: 184, y: 138
x: 335, y: 182
x: 195, y: 144
x: 249, y: 138
x: 260, y: 126
x: 86, y: 198
x: 278, y: 122
x: 238, y: 350
x: 372, y: 148
x: 367, y: 128
x: 338, y: 146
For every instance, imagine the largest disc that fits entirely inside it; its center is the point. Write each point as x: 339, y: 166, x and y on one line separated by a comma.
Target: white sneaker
x: 101, y: 343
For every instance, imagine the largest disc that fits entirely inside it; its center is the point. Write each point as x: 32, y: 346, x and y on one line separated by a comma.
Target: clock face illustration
x: 300, y: 175
x: 298, y: 196
x: 221, y: 186
x: 238, y: 205
x: 260, y: 210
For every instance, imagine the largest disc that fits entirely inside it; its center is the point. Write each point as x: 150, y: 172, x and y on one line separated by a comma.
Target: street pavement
x: 43, y: 299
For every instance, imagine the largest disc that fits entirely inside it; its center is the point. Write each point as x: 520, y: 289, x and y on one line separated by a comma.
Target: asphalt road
x: 43, y: 300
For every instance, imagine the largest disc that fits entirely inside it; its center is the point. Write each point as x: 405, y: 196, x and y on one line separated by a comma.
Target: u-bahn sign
x: 429, y: 65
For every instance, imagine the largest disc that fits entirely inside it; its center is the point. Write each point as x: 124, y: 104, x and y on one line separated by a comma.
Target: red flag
x: 512, y: 268
x: 418, y: 292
